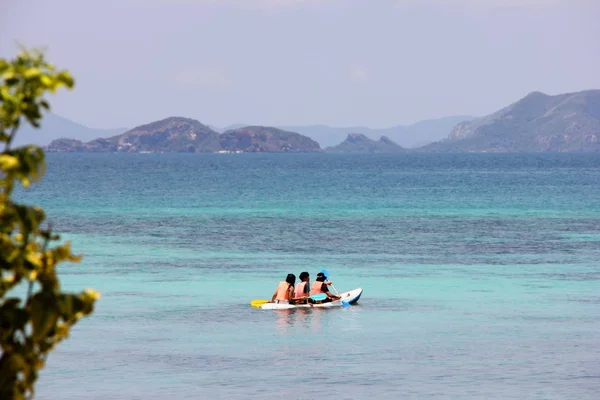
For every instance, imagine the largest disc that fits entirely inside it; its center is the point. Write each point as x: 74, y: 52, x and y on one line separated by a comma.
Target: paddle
x: 258, y: 303
x: 344, y: 303
x: 316, y: 297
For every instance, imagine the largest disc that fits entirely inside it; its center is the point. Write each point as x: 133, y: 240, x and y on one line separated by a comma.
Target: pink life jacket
x: 282, y: 291
x: 316, y: 288
x: 299, y: 292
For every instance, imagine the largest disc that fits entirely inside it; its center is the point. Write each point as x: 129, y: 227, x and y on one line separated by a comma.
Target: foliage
x: 32, y: 325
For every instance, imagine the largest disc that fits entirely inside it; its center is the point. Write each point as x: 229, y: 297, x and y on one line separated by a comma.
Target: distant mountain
x: 178, y: 134
x: 227, y: 128
x: 418, y: 134
x: 408, y: 136
x: 266, y: 139
x: 428, y: 131
x: 538, y: 122
x: 237, y: 126
x: 216, y: 128
x: 359, y: 143
x: 55, y: 127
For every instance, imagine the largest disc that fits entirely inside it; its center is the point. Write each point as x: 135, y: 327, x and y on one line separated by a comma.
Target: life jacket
x: 282, y: 291
x: 316, y: 288
x: 299, y: 292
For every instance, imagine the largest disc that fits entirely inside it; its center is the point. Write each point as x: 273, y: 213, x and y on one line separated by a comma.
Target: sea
x: 480, y: 275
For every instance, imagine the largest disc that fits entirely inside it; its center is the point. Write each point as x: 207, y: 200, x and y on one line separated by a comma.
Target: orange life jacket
x: 316, y: 288
x: 282, y: 291
x: 299, y: 292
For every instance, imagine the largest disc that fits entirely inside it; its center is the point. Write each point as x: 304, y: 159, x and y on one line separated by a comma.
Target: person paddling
x: 302, y: 290
x: 285, y: 290
x: 320, y: 286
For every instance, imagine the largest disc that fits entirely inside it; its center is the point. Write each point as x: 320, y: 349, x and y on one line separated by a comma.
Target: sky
x: 375, y: 63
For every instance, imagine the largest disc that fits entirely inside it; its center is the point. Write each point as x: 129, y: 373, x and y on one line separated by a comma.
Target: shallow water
x: 480, y: 275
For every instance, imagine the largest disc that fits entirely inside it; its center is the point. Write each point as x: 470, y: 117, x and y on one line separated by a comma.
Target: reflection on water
x: 315, y: 320
x: 300, y: 319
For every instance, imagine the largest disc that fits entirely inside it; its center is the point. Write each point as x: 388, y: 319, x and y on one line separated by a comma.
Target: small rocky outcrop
x: 359, y: 143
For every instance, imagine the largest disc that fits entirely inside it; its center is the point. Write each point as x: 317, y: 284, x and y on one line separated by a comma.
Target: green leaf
x: 11, y: 82
x: 9, y: 75
x: 10, y: 365
x: 8, y: 162
x: 66, y: 78
x: 32, y: 73
x: 44, y: 315
x: 65, y: 306
x: 11, y: 302
x: 11, y: 318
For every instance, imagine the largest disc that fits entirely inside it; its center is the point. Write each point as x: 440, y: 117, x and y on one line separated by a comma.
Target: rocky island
x: 266, y: 139
x: 185, y: 135
x: 359, y: 143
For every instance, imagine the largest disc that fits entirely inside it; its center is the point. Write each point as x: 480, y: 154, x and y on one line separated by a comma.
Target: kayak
x: 351, y: 297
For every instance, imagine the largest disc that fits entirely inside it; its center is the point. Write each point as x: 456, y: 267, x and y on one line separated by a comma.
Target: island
x: 359, y: 143
x: 538, y: 122
x: 185, y: 135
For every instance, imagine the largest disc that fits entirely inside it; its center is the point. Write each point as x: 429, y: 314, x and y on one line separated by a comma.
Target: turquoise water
x: 480, y: 275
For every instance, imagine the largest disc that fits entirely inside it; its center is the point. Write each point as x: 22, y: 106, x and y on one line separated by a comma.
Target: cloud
x: 201, y: 78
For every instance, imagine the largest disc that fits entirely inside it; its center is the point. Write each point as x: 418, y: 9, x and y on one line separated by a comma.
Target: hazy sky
x: 279, y: 62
